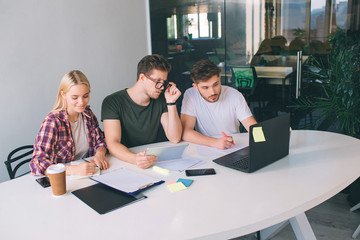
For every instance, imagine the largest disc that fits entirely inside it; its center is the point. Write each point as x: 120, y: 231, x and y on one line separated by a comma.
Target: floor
x: 331, y: 220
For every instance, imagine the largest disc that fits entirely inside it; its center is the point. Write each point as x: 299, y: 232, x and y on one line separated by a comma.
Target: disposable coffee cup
x: 56, y: 174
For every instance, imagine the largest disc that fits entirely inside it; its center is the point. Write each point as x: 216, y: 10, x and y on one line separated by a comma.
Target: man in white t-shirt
x: 212, y: 109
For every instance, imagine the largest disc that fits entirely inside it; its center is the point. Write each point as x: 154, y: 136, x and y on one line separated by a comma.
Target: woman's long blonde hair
x: 70, y: 79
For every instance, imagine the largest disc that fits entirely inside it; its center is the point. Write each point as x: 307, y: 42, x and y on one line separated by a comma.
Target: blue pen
x: 88, y: 161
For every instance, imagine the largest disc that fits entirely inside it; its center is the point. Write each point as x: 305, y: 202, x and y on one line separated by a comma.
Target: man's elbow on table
x: 175, y: 139
x: 187, y: 135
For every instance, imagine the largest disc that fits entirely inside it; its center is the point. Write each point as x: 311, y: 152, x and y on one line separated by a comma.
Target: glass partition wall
x: 273, y: 36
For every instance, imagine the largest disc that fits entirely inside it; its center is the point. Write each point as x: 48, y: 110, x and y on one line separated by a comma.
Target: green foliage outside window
x: 334, y: 89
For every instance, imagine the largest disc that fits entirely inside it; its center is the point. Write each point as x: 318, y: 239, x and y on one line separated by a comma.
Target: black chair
x: 245, y: 80
x: 17, y: 158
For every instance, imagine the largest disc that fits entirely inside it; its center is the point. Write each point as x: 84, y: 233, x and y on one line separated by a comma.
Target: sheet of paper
x: 258, y: 134
x: 175, y: 187
x: 206, y: 152
x: 125, y: 180
x: 178, y: 164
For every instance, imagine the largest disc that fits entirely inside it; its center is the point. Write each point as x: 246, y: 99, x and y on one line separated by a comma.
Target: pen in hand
x: 227, y: 136
x: 89, y: 162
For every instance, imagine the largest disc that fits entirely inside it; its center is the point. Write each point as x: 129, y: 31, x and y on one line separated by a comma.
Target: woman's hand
x: 86, y: 169
x: 83, y: 169
x: 100, y: 159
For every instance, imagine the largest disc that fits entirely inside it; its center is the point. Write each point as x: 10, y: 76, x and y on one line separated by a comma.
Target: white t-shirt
x: 223, y: 115
x: 80, y: 136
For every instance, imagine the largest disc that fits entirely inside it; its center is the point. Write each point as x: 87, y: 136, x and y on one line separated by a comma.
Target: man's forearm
x: 174, y: 130
x: 193, y: 136
x: 121, y: 152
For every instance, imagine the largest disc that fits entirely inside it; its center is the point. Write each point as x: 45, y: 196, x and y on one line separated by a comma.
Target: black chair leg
x: 258, y: 236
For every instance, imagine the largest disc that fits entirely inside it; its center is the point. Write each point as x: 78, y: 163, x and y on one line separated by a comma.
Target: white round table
x: 222, y: 206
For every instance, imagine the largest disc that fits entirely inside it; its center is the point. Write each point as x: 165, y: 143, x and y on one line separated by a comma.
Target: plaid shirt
x: 55, y: 144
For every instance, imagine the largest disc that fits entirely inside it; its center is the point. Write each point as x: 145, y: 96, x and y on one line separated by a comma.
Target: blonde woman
x: 70, y: 131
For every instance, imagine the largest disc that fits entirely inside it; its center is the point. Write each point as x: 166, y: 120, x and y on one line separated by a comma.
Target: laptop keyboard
x: 242, y: 163
x: 238, y: 160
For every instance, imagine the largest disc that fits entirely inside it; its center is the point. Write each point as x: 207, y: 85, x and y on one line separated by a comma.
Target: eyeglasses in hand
x: 159, y: 83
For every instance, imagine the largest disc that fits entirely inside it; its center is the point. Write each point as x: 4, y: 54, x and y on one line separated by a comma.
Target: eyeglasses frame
x: 164, y: 84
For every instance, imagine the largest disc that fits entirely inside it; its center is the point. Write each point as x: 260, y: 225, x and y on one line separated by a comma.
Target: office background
x: 41, y: 40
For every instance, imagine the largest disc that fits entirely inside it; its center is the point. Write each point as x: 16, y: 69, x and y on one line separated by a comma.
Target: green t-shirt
x: 139, y: 124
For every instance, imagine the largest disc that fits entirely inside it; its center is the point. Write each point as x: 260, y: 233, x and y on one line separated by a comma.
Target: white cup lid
x: 57, y: 168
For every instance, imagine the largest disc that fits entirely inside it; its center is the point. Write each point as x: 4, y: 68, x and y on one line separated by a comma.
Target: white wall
x: 40, y: 40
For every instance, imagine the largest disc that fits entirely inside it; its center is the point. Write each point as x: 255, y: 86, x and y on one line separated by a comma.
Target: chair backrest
x: 214, y: 59
x: 244, y: 77
x: 17, y: 158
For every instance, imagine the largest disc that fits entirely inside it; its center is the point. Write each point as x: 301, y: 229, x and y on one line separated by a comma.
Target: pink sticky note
x: 171, y: 182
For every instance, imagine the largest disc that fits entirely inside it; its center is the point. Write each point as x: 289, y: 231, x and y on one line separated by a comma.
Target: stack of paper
x: 126, y: 180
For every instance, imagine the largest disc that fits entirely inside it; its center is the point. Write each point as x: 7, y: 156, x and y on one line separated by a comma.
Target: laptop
x: 268, y: 142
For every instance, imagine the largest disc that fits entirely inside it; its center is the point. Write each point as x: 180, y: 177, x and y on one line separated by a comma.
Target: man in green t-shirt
x: 132, y: 116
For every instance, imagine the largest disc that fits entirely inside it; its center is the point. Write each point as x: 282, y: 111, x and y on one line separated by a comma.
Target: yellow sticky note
x: 258, y: 134
x: 175, y: 187
x: 161, y: 170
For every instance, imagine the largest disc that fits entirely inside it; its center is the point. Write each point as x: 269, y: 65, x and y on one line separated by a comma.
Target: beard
x: 212, y: 98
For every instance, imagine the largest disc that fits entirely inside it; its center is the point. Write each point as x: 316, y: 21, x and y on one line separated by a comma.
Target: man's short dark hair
x: 151, y: 62
x: 203, y: 70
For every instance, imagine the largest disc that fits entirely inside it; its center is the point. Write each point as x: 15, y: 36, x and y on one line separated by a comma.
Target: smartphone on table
x: 44, y: 182
x: 200, y: 172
